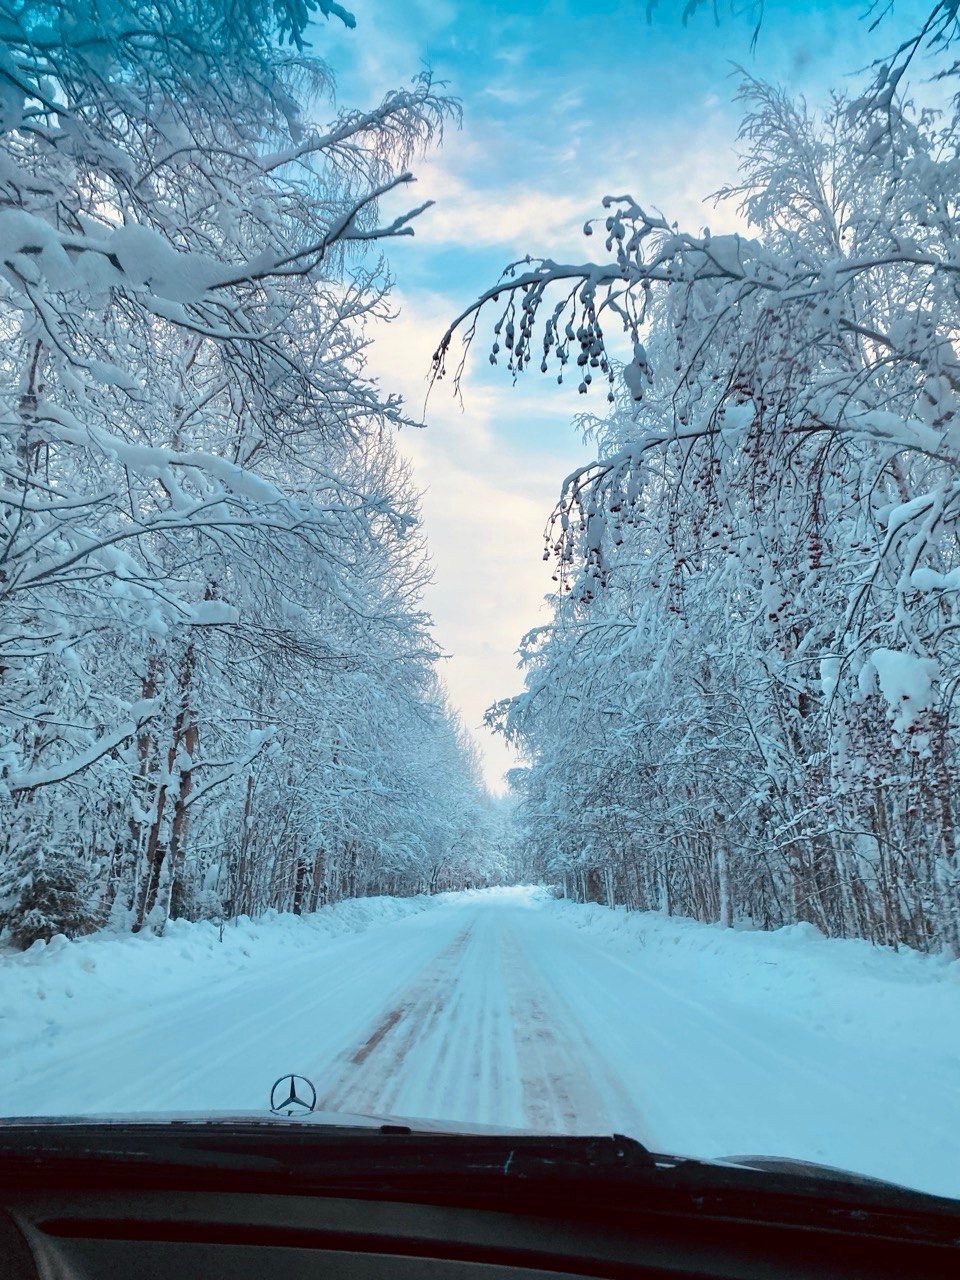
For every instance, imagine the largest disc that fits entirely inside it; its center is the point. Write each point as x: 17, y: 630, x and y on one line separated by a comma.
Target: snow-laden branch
x: 139, y: 716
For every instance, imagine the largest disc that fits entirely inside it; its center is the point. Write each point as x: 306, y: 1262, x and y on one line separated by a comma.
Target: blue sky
x: 562, y: 103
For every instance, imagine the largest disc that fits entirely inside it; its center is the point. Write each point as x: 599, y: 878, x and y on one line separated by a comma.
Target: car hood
x: 324, y: 1119
x: 774, y: 1164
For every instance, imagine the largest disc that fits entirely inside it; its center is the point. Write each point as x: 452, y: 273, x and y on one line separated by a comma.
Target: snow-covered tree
x: 745, y: 704
x: 210, y: 573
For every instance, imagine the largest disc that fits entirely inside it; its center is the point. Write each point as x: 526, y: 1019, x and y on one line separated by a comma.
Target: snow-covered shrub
x: 54, y: 897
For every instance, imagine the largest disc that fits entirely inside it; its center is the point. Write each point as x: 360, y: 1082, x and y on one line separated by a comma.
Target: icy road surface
x: 509, y: 1009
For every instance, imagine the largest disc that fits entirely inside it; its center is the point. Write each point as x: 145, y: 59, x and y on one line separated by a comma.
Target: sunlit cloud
x: 487, y: 497
x: 513, y: 216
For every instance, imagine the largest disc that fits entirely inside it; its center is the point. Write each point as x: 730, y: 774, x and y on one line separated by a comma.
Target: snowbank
x: 60, y: 985
x: 735, y: 1042
x: 845, y: 987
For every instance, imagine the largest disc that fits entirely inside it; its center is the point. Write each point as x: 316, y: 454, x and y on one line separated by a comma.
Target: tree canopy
x: 218, y: 686
x: 744, y: 706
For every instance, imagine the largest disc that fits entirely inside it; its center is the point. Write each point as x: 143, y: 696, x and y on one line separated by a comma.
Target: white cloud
x: 518, y: 217
x: 487, y: 498
x: 481, y: 202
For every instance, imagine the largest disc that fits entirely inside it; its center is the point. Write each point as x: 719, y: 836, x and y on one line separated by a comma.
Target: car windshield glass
x: 479, y: 569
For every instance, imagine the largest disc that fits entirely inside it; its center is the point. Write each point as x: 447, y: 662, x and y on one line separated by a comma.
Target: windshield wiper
x: 335, y: 1153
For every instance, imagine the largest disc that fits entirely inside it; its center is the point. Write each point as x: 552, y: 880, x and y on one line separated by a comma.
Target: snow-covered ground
x: 509, y: 1008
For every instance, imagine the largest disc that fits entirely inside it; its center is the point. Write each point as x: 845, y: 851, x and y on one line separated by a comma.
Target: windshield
x: 479, y: 568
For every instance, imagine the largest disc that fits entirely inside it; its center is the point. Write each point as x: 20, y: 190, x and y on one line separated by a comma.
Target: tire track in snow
x: 567, y: 1085
x: 367, y: 1076
x: 480, y: 1037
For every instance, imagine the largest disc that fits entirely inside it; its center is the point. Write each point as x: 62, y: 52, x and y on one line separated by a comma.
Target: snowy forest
x: 744, y: 706
x: 220, y: 689
x: 218, y: 685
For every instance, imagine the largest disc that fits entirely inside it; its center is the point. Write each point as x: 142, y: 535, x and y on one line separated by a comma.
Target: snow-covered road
x: 506, y: 1009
